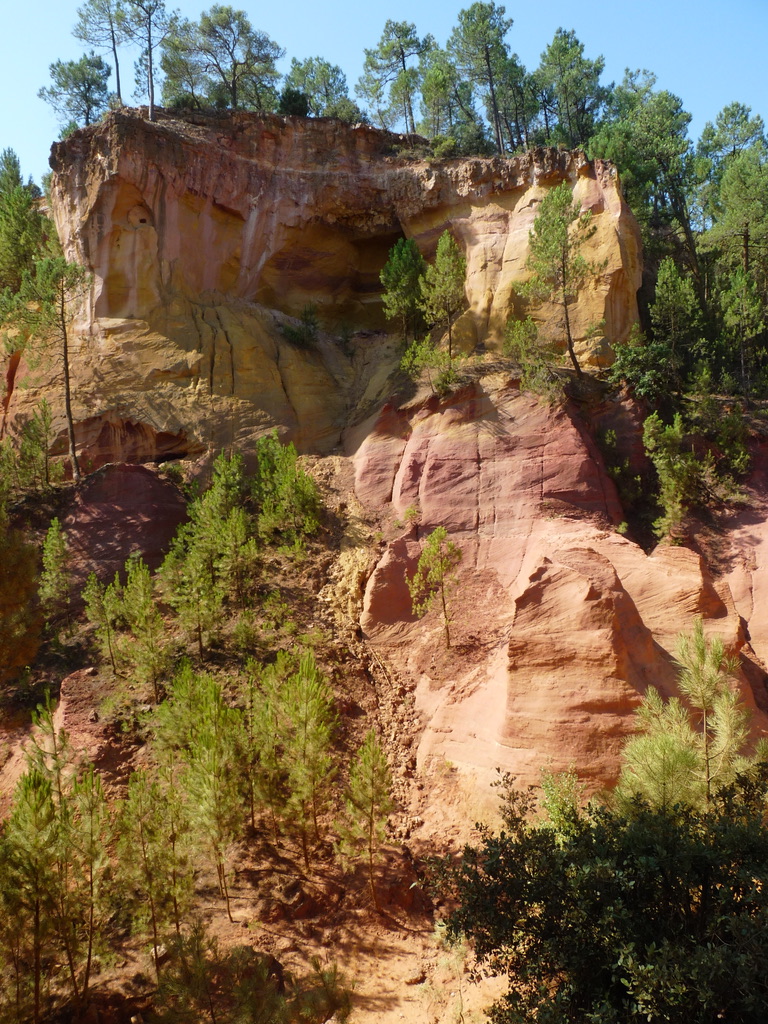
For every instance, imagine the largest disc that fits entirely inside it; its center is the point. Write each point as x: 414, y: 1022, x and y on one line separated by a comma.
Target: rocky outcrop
x: 285, y: 211
x: 121, y: 511
x: 204, y: 234
x: 206, y: 237
x: 560, y: 623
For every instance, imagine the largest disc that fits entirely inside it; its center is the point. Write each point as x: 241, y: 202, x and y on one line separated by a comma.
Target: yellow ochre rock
x: 206, y: 234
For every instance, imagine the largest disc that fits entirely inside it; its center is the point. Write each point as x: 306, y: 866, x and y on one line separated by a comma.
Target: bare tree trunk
x: 150, y: 70
x: 445, y: 614
x: 494, y: 104
x: 569, y: 338
x: 117, y: 63
x: 67, y: 386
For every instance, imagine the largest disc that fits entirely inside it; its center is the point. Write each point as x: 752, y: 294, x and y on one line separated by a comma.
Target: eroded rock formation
x: 560, y: 623
x: 204, y: 234
x: 285, y: 211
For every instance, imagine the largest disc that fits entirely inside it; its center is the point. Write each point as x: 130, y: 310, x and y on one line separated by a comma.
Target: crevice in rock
x: 10, y: 382
x: 231, y: 353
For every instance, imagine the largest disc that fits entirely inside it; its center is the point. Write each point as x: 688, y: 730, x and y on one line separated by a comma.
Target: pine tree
x: 44, y: 307
x: 387, y: 64
x: 196, y: 722
x: 265, y: 733
x: 687, y: 756
x: 442, y: 287
x: 401, y: 277
x: 78, y: 92
x: 661, y: 763
x: 50, y: 751
x: 253, y: 755
x: 22, y: 225
x: 30, y: 839
x: 147, y: 25
x: 239, y: 556
x: 368, y: 804
x: 92, y: 836
x: 104, y: 609
x: 307, y: 702
x: 178, y: 837
x: 705, y: 670
x: 573, y: 82
x: 324, y: 85
x: 15, y: 959
x: 285, y: 496
x: 744, y: 317
x: 192, y: 589
x: 435, y: 576
x: 143, y: 852
x: 179, y: 714
x: 210, y: 779
x: 558, y: 268
x: 54, y: 579
x: 214, y: 554
x: 101, y: 23
x: 479, y: 49
x: 34, y: 468
x: 52, y: 757
x: 149, y: 650
x: 675, y: 312
x: 679, y: 469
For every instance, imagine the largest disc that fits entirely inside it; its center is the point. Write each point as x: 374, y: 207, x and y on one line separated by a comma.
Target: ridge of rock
x: 205, y: 234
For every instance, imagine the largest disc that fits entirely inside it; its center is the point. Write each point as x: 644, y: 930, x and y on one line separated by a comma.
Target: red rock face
x: 560, y: 623
x: 744, y: 561
x: 122, y: 511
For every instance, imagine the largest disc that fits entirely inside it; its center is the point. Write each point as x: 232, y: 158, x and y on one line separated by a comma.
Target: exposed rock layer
x: 203, y: 235
x: 285, y: 211
x: 560, y: 623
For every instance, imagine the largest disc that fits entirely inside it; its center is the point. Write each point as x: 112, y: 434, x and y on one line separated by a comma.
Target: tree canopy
x: 637, y: 915
x: 79, y: 91
x: 558, y: 267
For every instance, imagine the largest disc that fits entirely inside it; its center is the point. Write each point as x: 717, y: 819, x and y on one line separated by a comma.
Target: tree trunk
x: 224, y: 887
x: 67, y: 386
x: 37, y: 958
x: 746, y: 248
x: 569, y: 338
x: 109, y: 643
x: 67, y: 943
x: 410, y: 127
x: 150, y: 70
x: 371, y: 828
x: 305, y: 844
x: 445, y: 614
x: 149, y: 881
x: 91, y: 931
x: 494, y: 105
x: 117, y: 63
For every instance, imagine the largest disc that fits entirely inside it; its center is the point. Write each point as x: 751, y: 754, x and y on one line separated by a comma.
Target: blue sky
x: 709, y: 53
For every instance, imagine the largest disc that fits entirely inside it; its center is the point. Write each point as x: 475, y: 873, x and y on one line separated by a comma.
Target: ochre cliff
x: 204, y: 235
x: 286, y: 211
x: 560, y: 623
